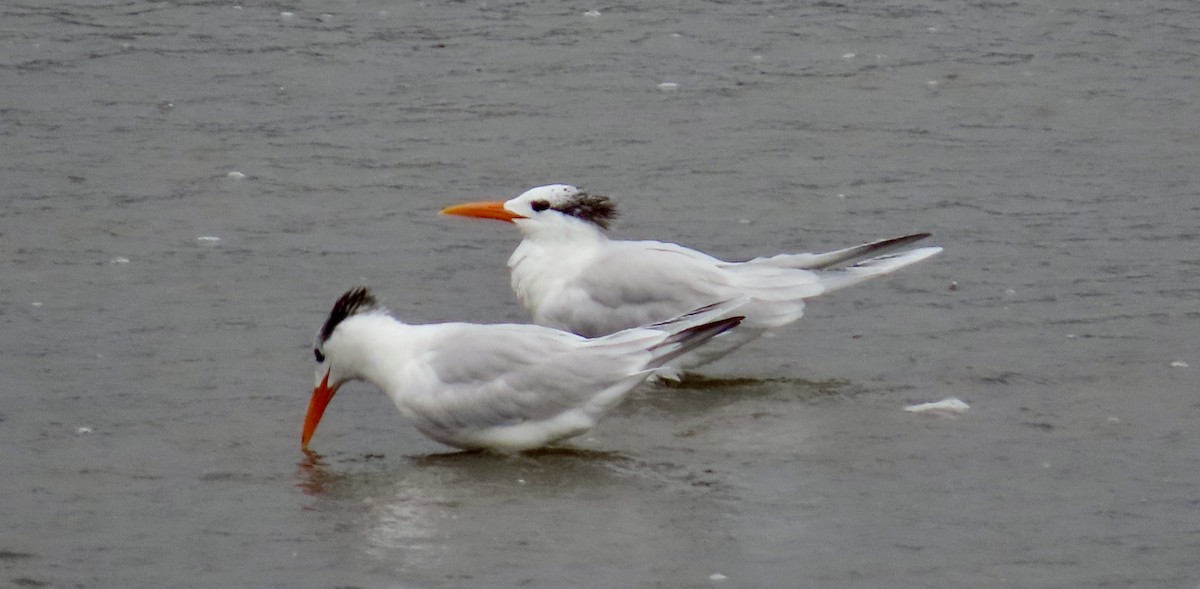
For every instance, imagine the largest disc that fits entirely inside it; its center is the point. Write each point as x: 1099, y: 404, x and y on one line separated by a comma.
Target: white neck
x: 371, y: 347
x: 553, y: 253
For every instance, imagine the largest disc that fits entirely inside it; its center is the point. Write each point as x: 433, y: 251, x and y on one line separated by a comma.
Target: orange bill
x: 482, y: 210
x: 316, y: 408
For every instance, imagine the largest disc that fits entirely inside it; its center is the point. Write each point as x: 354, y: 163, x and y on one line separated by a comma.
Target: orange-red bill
x: 482, y: 210
x: 316, y: 408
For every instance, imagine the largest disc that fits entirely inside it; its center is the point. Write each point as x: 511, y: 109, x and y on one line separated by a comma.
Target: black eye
x: 317, y: 352
x: 539, y: 205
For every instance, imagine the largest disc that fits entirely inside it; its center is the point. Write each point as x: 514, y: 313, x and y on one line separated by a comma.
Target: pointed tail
x: 840, y: 257
x: 684, y: 332
x: 682, y: 342
x: 878, y: 266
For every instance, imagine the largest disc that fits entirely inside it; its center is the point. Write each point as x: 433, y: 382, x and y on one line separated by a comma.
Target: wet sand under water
x: 159, y: 307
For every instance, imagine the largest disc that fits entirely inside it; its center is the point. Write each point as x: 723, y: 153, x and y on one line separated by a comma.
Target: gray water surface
x: 158, y: 312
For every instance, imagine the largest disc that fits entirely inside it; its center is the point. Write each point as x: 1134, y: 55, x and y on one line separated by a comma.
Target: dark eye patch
x: 317, y: 353
x: 539, y: 205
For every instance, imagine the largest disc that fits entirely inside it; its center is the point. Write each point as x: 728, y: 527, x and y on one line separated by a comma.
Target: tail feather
x: 651, y: 336
x: 682, y: 342
x: 839, y: 257
x: 702, y: 314
x: 878, y: 266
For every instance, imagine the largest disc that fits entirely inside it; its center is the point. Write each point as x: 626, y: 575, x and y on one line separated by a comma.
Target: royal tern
x: 572, y: 276
x: 499, y: 387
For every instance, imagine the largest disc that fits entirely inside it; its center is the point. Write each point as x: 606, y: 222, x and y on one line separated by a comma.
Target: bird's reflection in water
x: 414, y: 511
x: 697, y: 394
x: 313, y: 475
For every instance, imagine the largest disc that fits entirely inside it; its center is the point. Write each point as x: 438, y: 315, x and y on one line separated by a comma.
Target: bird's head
x: 335, y: 353
x: 552, y: 205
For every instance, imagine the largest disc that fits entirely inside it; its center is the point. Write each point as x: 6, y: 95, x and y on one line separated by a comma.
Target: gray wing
x: 483, y: 376
x: 636, y: 283
x: 640, y: 282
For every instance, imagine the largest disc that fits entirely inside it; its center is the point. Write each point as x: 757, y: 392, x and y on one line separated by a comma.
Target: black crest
x: 592, y: 208
x: 352, y: 302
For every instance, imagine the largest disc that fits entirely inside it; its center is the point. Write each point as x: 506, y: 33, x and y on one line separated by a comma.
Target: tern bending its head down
x: 571, y: 276
x: 497, y: 387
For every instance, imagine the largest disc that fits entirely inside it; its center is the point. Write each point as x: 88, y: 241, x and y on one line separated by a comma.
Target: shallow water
x: 159, y: 311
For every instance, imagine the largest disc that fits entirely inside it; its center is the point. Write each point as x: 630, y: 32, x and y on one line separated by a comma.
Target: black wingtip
x: 694, y: 337
x: 352, y: 302
x: 696, y: 312
x: 859, y: 252
x: 900, y: 241
x: 715, y: 327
